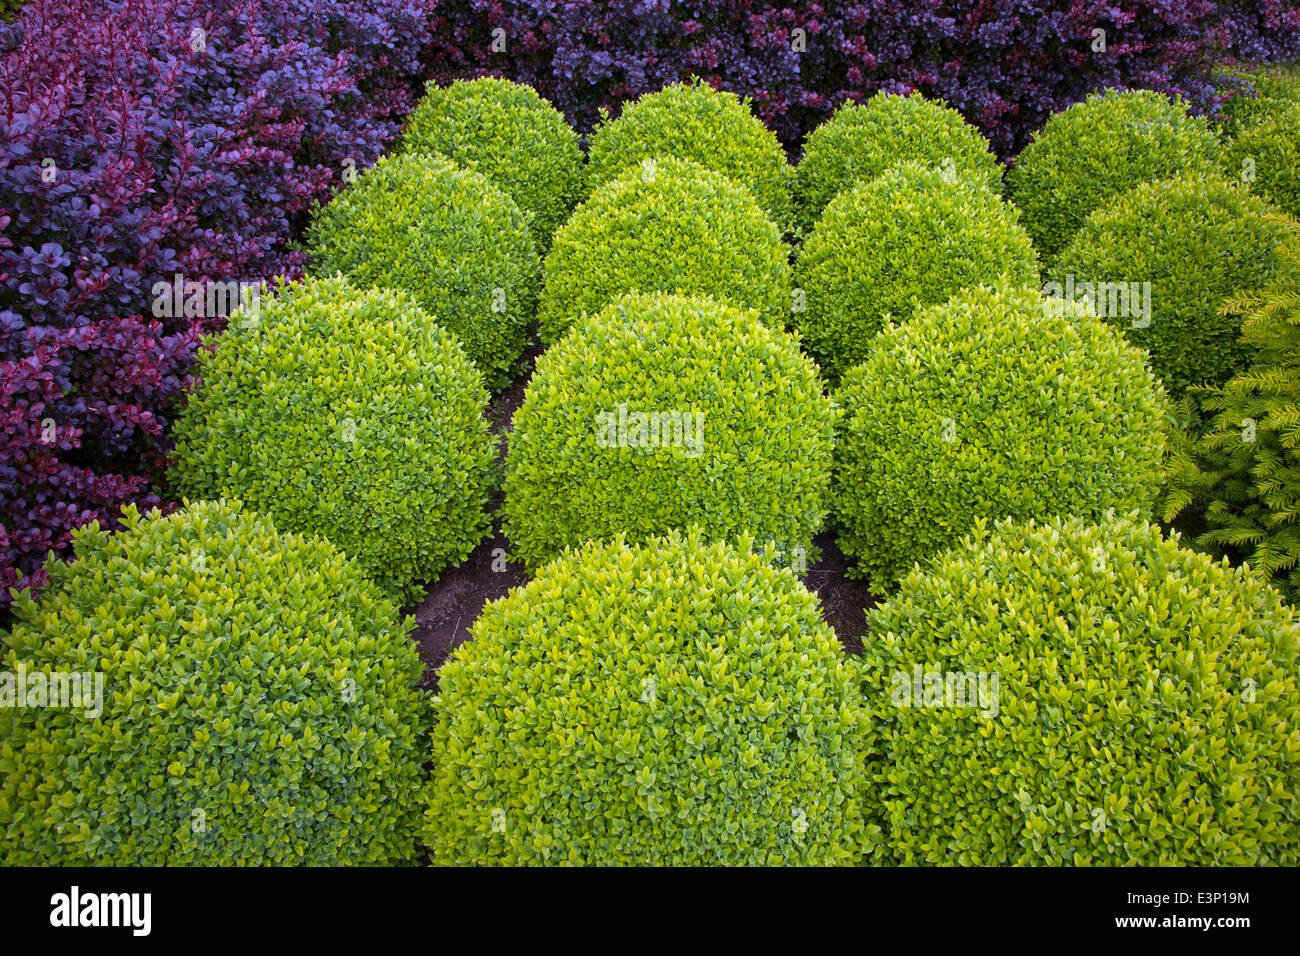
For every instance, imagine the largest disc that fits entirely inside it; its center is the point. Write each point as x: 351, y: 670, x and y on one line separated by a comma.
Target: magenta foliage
x: 1006, y: 64
x: 140, y: 139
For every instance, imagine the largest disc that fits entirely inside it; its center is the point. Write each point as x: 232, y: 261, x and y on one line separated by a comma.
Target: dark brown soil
x: 845, y: 601
x: 443, y: 618
x: 454, y: 602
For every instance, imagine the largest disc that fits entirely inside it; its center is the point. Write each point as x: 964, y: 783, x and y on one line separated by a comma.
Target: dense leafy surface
x: 1196, y: 242
x: 693, y: 121
x: 259, y: 703
x: 349, y: 414
x: 450, y: 238
x: 997, y: 403
x: 1095, y: 151
x: 667, y: 225
x: 1245, y: 470
x: 889, y: 246
x: 140, y: 139
x: 1006, y: 66
x: 748, y: 447
x: 673, y: 703
x: 511, y: 135
x: 1148, y: 711
x: 1268, y: 156
x: 861, y: 141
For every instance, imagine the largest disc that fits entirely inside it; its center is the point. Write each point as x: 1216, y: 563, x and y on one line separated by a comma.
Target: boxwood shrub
x: 511, y: 135
x: 1146, y: 709
x: 711, y: 127
x: 663, y: 411
x: 909, y: 239
x: 861, y: 141
x: 347, y: 413
x: 997, y: 403
x: 668, y: 225
x: 259, y: 703
x: 678, y: 702
x: 1268, y: 154
x: 1213, y: 239
x: 1089, y: 154
x: 1263, y: 92
x: 449, y: 237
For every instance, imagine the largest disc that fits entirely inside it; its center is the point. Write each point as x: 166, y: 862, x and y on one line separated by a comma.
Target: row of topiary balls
x: 650, y: 698
x: 1046, y: 692
x: 926, y: 414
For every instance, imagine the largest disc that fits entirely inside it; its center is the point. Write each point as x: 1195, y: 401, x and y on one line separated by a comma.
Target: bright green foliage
x: 1196, y: 241
x: 1270, y: 89
x: 260, y: 703
x: 1246, y: 467
x: 511, y: 135
x: 1268, y: 155
x: 748, y: 448
x: 449, y: 237
x: 675, y: 703
x: 668, y: 225
x: 909, y: 239
x: 861, y: 141
x: 711, y: 127
x: 998, y: 403
x: 1147, y: 709
x: 1090, y: 154
x: 348, y: 414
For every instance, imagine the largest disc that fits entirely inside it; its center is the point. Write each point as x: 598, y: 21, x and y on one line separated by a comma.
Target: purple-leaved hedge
x: 140, y: 140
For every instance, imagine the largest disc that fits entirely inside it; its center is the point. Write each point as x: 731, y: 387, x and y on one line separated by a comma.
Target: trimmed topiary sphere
x: 696, y: 122
x: 676, y: 703
x: 1145, y: 710
x: 663, y: 411
x: 451, y: 239
x: 259, y: 707
x: 1093, y: 152
x: 668, y: 225
x: 861, y: 141
x: 349, y: 414
x: 511, y: 135
x: 1263, y: 92
x: 884, y: 248
x: 1268, y: 155
x: 1196, y: 242
x: 997, y: 403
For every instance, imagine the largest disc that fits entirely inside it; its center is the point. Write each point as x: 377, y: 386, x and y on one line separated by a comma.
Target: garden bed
x: 474, y: 529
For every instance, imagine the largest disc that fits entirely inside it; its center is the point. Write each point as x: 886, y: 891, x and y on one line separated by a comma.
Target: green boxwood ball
x: 450, y: 238
x: 668, y: 225
x: 1146, y: 709
x: 260, y: 703
x: 1263, y: 91
x: 675, y: 703
x: 884, y: 248
x: 511, y: 135
x: 861, y: 141
x: 1268, y: 155
x: 696, y: 122
x: 1087, y: 156
x: 350, y: 414
x: 997, y: 403
x: 1197, y: 242
x: 743, y: 441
